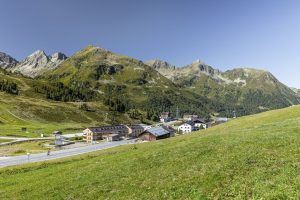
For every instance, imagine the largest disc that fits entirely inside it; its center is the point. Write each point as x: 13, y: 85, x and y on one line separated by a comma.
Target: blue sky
x: 263, y: 34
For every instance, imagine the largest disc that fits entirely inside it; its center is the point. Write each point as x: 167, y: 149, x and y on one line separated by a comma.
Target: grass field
x: 33, y: 111
x: 4, y: 140
x: 23, y: 148
x: 254, y: 157
x: 45, y: 116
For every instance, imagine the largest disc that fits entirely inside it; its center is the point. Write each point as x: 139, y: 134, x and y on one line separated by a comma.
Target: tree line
x: 9, y: 87
x: 59, y: 92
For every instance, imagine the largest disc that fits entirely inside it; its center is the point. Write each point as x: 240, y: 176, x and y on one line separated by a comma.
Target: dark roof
x: 168, y: 128
x: 136, y: 127
x: 190, y: 123
x: 113, y: 127
x: 199, y: 120
x: 158, y: 131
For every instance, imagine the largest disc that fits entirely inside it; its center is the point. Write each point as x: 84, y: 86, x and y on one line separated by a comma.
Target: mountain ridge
x: 38, y: 63
x: 124, y: 84
x: 240, y: 85
x: 6, y: 61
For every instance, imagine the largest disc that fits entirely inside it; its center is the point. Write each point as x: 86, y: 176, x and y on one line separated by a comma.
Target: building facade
x: 97, y: 133
x: 157, y: 133
x: 187, y: 127
x: 164, y: 117
x: 135, y: 130
x: 110, y: 132
x: 189, y: 117
x: 200, y: 123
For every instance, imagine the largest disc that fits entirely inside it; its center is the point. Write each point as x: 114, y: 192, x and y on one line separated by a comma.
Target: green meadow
x: 22, y: 148
x: 45, y: 116
x: 5, y: 140
x: 253, y: 157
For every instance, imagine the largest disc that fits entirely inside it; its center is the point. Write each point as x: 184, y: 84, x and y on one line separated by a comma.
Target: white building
x: 164, y: 117
x: 200, y: 122
x: 187, y: 127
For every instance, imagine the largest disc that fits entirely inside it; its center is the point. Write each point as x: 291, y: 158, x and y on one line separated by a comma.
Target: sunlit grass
x: 24, y: 147
x: 254, y: 157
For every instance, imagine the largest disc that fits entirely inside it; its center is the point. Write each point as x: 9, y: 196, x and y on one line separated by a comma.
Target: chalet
x: 111, y: 137
x: 98, y: 133
x: 164, y: 117
x: 157, y: 133
x: 187, y: 127
x: 200, y: 123
x: 189, y: 117
x: 135, y: 130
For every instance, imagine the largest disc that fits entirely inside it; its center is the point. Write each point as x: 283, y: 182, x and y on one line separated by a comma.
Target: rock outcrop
x: 6, y: 61
x: 38, y: 63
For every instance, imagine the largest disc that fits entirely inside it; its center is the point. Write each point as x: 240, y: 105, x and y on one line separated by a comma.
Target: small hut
x: 58, y: 139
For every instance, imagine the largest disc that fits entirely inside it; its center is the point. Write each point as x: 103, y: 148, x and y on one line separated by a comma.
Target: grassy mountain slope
x: 139, y: 86
x: 115, y: 88
x: 38, y: 114
x: 253, y: 157
x: 245, y: 90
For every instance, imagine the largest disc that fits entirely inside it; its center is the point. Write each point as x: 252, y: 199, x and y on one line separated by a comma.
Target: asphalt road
x: 18, y: 160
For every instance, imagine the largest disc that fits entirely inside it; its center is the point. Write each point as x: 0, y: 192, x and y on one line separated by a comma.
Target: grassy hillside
x: 125, y: 84
x: 115, y: 88
x: 32, y: 109
x: 245, y: 90
x: 254, y: 157
x: 45, y: 116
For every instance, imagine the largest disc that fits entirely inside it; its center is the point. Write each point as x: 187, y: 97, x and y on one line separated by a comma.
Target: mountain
x: 135, y: 90
x: 244, y: 90
x: 296, y: 90
x: 178, y: 74
x: 23, y: 104
x: 163, y: 67
x: 38, y: 63
x: 7, y: 61
x: 114, y: 89
x: 125, y: 84
x: 93, y: 87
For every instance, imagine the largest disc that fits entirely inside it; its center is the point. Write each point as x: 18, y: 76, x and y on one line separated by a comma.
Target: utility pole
x: 177, y: 112
x: 106, y: 117
x: 234, y: 114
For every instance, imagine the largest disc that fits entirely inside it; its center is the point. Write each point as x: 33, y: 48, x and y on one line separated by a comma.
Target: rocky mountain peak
x: 160, y: 64
x: 36, y: 59
x: 6, y: 61
x: 198, y: 67
x: 95, y: 48
x: 58, y: 56
x: 37, y: 53
x: 198, y: 61
x: 38, y: 63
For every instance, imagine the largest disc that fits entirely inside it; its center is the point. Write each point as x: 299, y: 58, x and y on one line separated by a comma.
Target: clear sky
x: 263, y: 34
